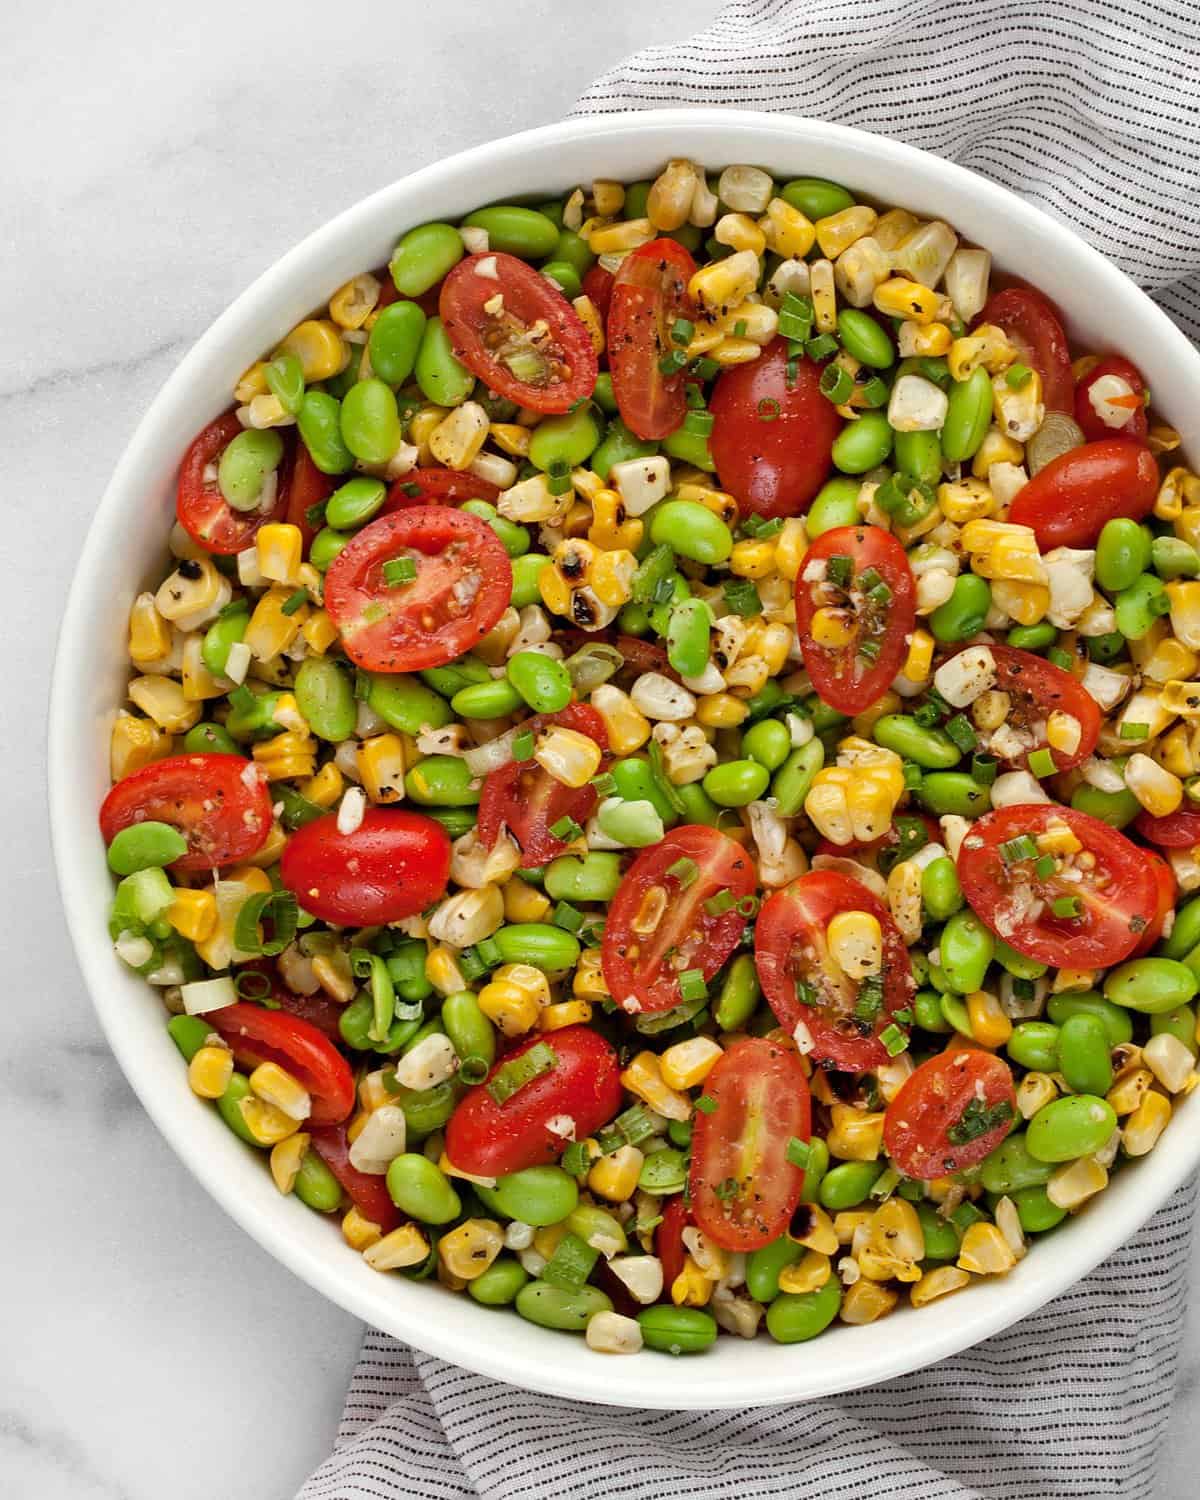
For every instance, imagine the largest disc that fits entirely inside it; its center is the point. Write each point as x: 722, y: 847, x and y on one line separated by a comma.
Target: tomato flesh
x: 365, y: 1190
x: 219, y: 803
x: 668, y: 1240
x: 394, y: 864
x: 1165, y: 880
x: 1094, y: 426
x: 200, y: 507
x: 257, y: 1036
x: 649, y: 294
x: 659, y: 925
x: 953, y: 1111
x: 1037, y: 688
x: 437, y: 487
x: 304, y: 486
x: 1177, y: 830
x: 1069, y: 501
x: 597, y: 286
x: 1031, y: 322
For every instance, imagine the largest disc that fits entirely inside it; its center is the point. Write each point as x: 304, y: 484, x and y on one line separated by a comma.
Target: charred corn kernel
x: 1074, y: 1183
x: 326, y: 787
x: 270, y: 629
x: 280, y: 548
x: 510, y: 437
x: 275, y: 1085
x: 820, y: 1234
x: 381, y: 764
x: 287, y: 756
x: 688, y: 1063
x: 570, y: 757
x: 772, y: 642
x: 286, y: 1160
x: 588, y: 981
x: 1034, y: 1091
x: 354, y: 301
x: 859, y: 270
x: 691, y: 1288
x: 985, y: 1251
x: 251, y: 383
x: 360, y: 1233
x: 854, y: 1135
x: 565, y: 1013
x: 923, y: 339
x: 1181, y: 698
x: 919, y: 662
x: 615, y: 1177
x: 965, y: 500
x: 149, y: 633
x: 513, y: 997
x: 989, y: 1025
x: 750, y: 559
x: 904, y: 899
x: 319, y: 347
x: 524, y: 902
x: 610, y: 576
x: 611, y: 528
x: 787, y: 231
x: 808, y: 1274
x: 823, y: 289
x: 832, y: 627
x: 855, y: 941
x: 470, y: 1248
x: 209, y: 1071
x: 900, y: 298
x: 405, y: 1246
x: 837, y: 232
x: 266, y: 1123
x: 1129, y: 1089
x: 319, y: 632
x: 723, y: 284
x: 740, y: 232
x: 867, y: 1302
x: 193, y: 914
x: 192, y: 599
x: 854, y: 804
x: 164, y: 701
x: 848, y: 1223
x: 1019, y: 411
x: 135, y: 743
x: 644, y: 1078
x: 1146, y: 1124
x: 459, y: 436
x: 589, y: 315
x: 939, y: 1282
x: 1157, y: 789
x: 443, y: 972
x: 895, y: 1230
x: 670, y: 197
x: 1178, y: 751
x: 1178, y: 488
x: 720, y: 711
x: 749, y: 673
x: 616, y: 238
x: 791, y: 543
x: 996, y: 448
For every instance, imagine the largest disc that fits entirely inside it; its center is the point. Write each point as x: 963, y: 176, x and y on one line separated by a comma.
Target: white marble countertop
x: 158, y: 158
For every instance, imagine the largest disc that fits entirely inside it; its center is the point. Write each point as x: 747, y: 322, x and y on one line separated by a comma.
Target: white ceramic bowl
x: 125, y: 548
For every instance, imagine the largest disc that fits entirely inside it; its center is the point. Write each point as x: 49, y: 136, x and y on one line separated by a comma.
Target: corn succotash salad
x: 657, y: 787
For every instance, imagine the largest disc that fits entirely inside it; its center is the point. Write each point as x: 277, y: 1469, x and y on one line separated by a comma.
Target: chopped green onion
x: 1066, y: 906
x: 836, y: 383
x: 1041, y: 762
x: 571, y: 1264
x: 1133, y: 731
x: 705, y: 368
x: 742, y: 596
x: 576, y: 1159
x: 672, y: 362
x: 413, y: 491
x: 514, y: 1074
x: 961, y: 732
x: 628, y: 1129
x: 805, y: 994
x: 978, y: 1119
x: 558, y: 484
x: 314, y: 516
x: 1044, y: 868
x: 875, y: 392
x: 280, y: 908
x: 699, y: 422
x: 605, y: 784
x: 706, y: 1104
x: 1060, y: 658
x: 912, y: 775
x: 868, y: 650
x: 894, y: 1040
x: 768, y: 409
x: 473, y: 1069
x: 798, y: 1152
x: 983, y: 769
x: 838, y: 569
x: 821, y: 347
x: 685, y: 871
x: 489, y: 951
x: 252, y: 984
x: 748, y: 907
x: 565, y: 829
x: 522, y: 745
x: 870, y: 998
x: 1015, y: 850
x: 399, y: 571
x: 718, y: 905
x: 682, y: 331
x: 568, y: 917
x: 739, y: 328
x: 1017, y: 377
x: 692, y: 984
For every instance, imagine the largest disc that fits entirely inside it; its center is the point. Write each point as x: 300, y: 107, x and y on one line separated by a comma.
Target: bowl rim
x: 710, y: 133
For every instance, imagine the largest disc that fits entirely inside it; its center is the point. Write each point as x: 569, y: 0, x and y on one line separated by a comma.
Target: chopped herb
x: 1017, y: 377
x: 836, y: 383
x: 1041, y: 762
x: 894, y: 1040
x: 838, y: 569
x: 727, y: 1189
x: 1060, y: 658
x: 699, y: 422
x: 978, y: 1119
x: 798, y: 1152
x: 739, y: 328
x: 983, y: 769
x: 805, y: 994
x: 605, y: 784
x: 961, y: 732
x: 522, y: 746
x: 514, y: 1074
x: 868, y: 650
x: 768, y: 409
x: 705, y: 368
x: 314, y: 516
x: 1015, y: 850
x: 692, y: 984
x: 1044, y: 867
x: 682, y: 331
x: 294, y: 602
x: 1133, y: 731
x: 1067, y: 907
x: 742, y: 597
x: 821, y: 347
x: 718, y: 905
x: 576, y: 1159
x: 399, y: 571
x: 706, y: 1104
x: 565, y: 829
x: 413, y: 491
x: 685, y: 872
x: 870, y: 999
x: 672, y: 362
x: 875, y: 392
x: 568, y: 917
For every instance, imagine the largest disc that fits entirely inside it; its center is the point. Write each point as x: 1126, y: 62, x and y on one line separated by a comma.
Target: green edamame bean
x: 1032, y: 637
x: 423, y: 257
x: 1035, y: 1211
x: 815, y: 197
x: 441, y: 377
x: 636, y: 825
x: 932, y: 749
x: 1034, y: 1044
x: 564, y: 276
x: 679, y: 1133
x: 574, y: 251
x: 425, y: 1110
x: 689, y: 448
x: 325, y: 697
x: 793, y: 781
x: 592, y: 877
x: 1011, y: 1167
x: 145, y: 846
x: 943, y: 792
x: 325, y: 547
x: 394, y: 340
x: 245, y: 464
x: 735, y: 783
x: 1073, y: 1126
x: 796, y: 1317
x: 514, y: 539
x: 456, y: 674
x: 836, y: 505
x: 1122, y: 553
x: 1118, y: 1026
x: 602, y: 394
x: 420, y: 1189
x: 525, y: 571
x: 964, y: 613
x: 814, y: 1172
x: 1179, y: 1023
x: 550, y: 949
x: 569, y: 1310
x: 1118, y: 808
x: 285, y: 380
x: 663, y: 1172
x: 687, y: 637
x: 516, y: 231
x: 256, y: 720
x: 406, y: 967
x: 955, y: 1012
x: 220, y: 637
x: 355, y: 1022
x: 698, y: 806
x: 927, y: 1012
x: 636, y: 782
x: 618, y: 446
x: 355, y: 503
x: 405, y: 703
x: 499, y: 1284
x: 189, y: 1033
x: 764, y: 1265
x: 864, y: 339
x: 229, y: 1107
x: 487, y: 700
x: 940, y: 891
x: 371, y: 421
x: 210, y: 739
x: 966, y: 947
x: 568, y: 439
x: 768, y: 698
x: 1185, y: 934
x: 1016, y: 963
x: 864, y: 444
x: 677, y: 1330
x: 1138, y: 606
x: 1172, y: 557
x: 740, y: 994
x: 541, y: 682
x: 320, y: 422
x: 442, y: 781
x: 468, y: 1028
x: 768, y: 742
x: 968, y: 416
x: 1151, y: 985
x: 599, y: 1228
x: 919, y: 454
x: 848, y: 1184
x: 941, y: 1237
x: 455, y: 820
x: 536, y: 1195
x: 691, y: 530
x: 316, y: 1186
x: 1083, y: 1054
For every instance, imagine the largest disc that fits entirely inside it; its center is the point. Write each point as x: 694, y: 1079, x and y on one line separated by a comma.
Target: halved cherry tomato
x: 528, y: 801
x: 257, y: 1036
x: 744, y: 1190
x: 876, y: 602
x: 492, y: 1139
x: 366, y: 1191
x: 649, y: 294
x: 303, y: 486
x: 772, y: 432
x: 317, y: 1009
x: 597, y: 285
x: 1117, y: 893
x: 200, y: 507
x: 1166, y: 903
x: 1094, y: 426
x: 392, y: 866
x: 1177, y: 830
x: 437, y: 487
x: 668, y: 1240
x: 659, y: 925
x: 220, y: 803
x: 790, y: 950
x: 1031, y: 322
x: 549, y: 372
x: 462, y: 586
x: 1068, y: 502
x: 1037, y: 688
x: 950, y: 1114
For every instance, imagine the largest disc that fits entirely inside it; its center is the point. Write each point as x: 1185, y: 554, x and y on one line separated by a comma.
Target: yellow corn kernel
x: 554, y: 589
x: 867, y: 1302
x: 670, y: 197
x: 275, y: 1085
x: 1185, y: 612
x: 193, y: 914
x: 270, y: 630
x: 280, y: 548
x: 209, y: 1071
x: 1058, y: 839
x: 356, y: 1127
x: 939, y: 1282
x: 919, y: 661
x: 1035, y: 1091
x: 720, y: 711
x: 1178, y: 487
x: 135, y: 743
x: 832, y: 627
x: 837, y: 232
x: 965, y: 500
x: 644, y: 1078
x: 1129, y: 1089
x: 989, y: 1025
x: 1146, y: 1124
x: 740, y: 232
x: 1181, y: 697
x: 149, y: 633
x: 823, y: 290
x: 855, y: 941
x: 848, y: 1222
x: 319, y: 347
x: 164, y: 701
x: 405, y: 1246
x: 326, y: 787
x: 511, y: 438
x: 1067, y: 981
x: 266, y: 1123
x: 808, y: 1274
x: 360, y: 1233
x: 565, y: 1013
x: 691, y: 1288
x: 901, y: 298
x: 849, y: 805
x: 1075, y: 1182
x: 924, y: 339
x: 588, y: 981
x: 381, y: 764
x: 615, y: 239
x: 547, y: 1240
x: 608, y: 196
x: 997, y: 448
x: 751, y: 559
x: 1157, y: 789
x: 287, y: 756
x: 251, y: 383
x: 985, y: 1251
x: 570, y: 757
x: 611, y: 528
x: 688, y: 1063
x: 772, y: 642
x: 791, y: 543
x: 1179, y: 750
x: 319, y: 632
x: 589, y: 316
x: 895, y: 1230
x: 722, y: 284
x: 788, y: 232
x: 524, y: 902
x: 354, y: 301
x: 470, y: 1248
x: 190, y: 600
x: 198, y: 682
x: 615, y: 1177
x: 611, y: 576
x: 513, y: 997
x: 422, y: 425
x: 734, y: 351
x: 904, y: 899
x: 442, y: 971
x: 287, y: 1157
x: 854, y: 1135
x: 459, y: 436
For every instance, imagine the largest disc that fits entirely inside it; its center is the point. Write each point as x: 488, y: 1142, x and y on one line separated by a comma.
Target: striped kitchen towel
x: 1088, y: 107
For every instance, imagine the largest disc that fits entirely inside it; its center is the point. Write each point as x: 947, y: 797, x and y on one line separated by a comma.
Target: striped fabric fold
x: 1087, y: 107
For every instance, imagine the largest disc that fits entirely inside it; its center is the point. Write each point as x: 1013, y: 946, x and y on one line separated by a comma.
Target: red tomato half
x: 1068, y: 502
x: 202, y: 510
x: 257, y: 1036
x: 1166, y: 903
x: 1177, y: 830
x: 367, y: 1192
x: 1094, y: 427
x: 549, y: 373
x: 219, y: 803
x: 668, y: 1240
x: 493, y: 1139
x: 462, y: 587
x: 437, y: 487
x: 744, y: 1190
x: 1032, y: 323
x: 878, y: 602
x: 394, y: 864
x: 790, y: 950
x: 597, y: 285
x: 771, y: 439
x: 658, y: 926
x: 1036, y: 689
x: 304, y: 485
x: 649, y: 293
x: 1118, y: 895
x: 950, y: 1114
x: 317, y: 1009
x: 528, y: 801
